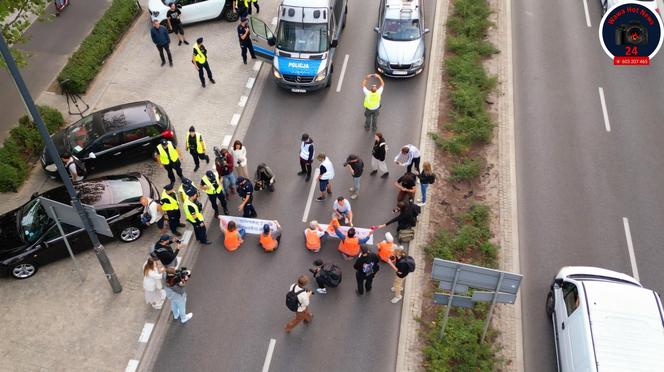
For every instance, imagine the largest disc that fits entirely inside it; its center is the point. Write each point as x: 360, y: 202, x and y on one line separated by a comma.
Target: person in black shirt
x: 200, y: 61
x: 406, y: 185
x: 245, y: 41
x: 366, y: 266
x: 175, y: 24
x: 164, y: 252
x: 378, y: 156
x: 356, y: 166
x: 407, y: 217
x: 246, y: 191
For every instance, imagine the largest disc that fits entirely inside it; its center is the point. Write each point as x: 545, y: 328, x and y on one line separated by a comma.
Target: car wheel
x: 230, y: 15
x: 130, y: 233
x: 23, y: 270
x: 550, y: 303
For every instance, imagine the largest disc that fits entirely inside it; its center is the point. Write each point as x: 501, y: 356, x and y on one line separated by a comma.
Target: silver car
x: 401, y: 48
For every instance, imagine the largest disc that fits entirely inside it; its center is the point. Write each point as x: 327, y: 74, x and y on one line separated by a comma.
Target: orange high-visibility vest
x: 268, y: 242
x: 385, y: 250
x: 312, y: 239
x: 232, y: 240
x: 350, y: 246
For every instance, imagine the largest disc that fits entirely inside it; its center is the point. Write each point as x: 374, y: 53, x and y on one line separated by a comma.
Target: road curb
x: 409, y: 352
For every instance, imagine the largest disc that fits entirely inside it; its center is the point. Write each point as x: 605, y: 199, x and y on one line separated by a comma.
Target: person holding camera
x: 164, y: 252
x: 355, y: 166
x: 326, y: 275
x: 297, y: 300
x: 224, y: 164
x: 175, y: 283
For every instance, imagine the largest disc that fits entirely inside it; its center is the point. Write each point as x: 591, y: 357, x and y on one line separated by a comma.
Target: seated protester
x: 407, y: 217
x: 264, y: 178
x: 350, y: 245
x: 342, y: 211
x: 232, y: 235
x: 406, y: 185
x: 326, y: 275
x: 386, y: 248
x: 269, y: 239
x: 313, y: 235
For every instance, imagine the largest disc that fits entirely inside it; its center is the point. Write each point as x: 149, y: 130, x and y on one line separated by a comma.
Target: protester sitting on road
x: 152, y: 213
x: 406, y: 185
x: 342, y: 211
x: 326, y: 275
x: 350, y: 244
x: 264, y: 178
x: 407, y: 217
x: 386, y: 248
x: 163, y: 251
x: 232, y: 235
x: 313, y: 235
x: 269, y: 239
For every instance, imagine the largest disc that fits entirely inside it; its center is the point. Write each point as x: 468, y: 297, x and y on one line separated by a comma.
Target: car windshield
x: 82, y: 133
x: 34, y: 221
x: 302, y: 37
x: 401, y: 29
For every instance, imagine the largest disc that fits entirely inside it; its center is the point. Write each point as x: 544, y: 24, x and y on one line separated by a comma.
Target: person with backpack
x: 75, y: 167
x: 326, y: 275
x: 297, y: 301
x: 366, y: 266
x: 264, y: 178
x: 152, y: 213
x: 402, y: 265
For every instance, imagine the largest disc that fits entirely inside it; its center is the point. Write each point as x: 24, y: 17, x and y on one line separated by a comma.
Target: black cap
x: 266, y: 228
x: 318, y: 262
x: 199, y: 40
x: 210, y: 174
x: 164, y: 141
x: 164, y: 238
x: 192, y: 129
x: 190, y: 191
x: 168, y: 187
x: 186, y: 181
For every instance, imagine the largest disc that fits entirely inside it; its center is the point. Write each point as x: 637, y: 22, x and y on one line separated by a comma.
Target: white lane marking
x: 132, y: 365
x: 274, y: 21
x: 186, y: 236
x: 235, y: 119
x: 630, y: 248
x: 311, y: 195
x: 243, y: 101
x: 607, y: 125
x: 250, y: 83
x: 268, y: 356
x: 343, y: 73
x: 145, y: 334
x: 227, y: 141
x: 585, y: 9
x: 257, y: 65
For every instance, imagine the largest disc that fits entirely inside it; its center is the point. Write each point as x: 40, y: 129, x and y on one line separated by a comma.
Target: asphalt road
x: 238, y: 299
x: 50, y: 44
x: 576, y: 180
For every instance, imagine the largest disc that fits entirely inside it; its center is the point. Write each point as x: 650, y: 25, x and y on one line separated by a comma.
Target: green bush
x: 9, y: 178
x: 86, y: 62
x: 461, y: 44
x: 467, y: 69
x: 466, y: 170
x: 478, y: 128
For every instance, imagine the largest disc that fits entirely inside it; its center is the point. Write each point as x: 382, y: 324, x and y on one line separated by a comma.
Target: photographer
x: 165, y: 253
x: 224, y: 163
x: 175, y: 282
x: 326, y: 275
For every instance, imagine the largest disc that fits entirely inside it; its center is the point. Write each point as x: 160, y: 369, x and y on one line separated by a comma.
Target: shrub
x: 9, y: 178
x: 461, y: 44
x: 478, y: 128
x: 466, y: 170
x: 86, y: 62
x: 467, y: 69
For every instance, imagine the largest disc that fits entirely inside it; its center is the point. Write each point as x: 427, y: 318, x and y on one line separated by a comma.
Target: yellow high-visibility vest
x: 210, y: 189
x: 372, y: 100
x: 200, y: 145
x: 169, y: 203
x: 172, y: 153
x: 199, y: 57
x: 195, y: 217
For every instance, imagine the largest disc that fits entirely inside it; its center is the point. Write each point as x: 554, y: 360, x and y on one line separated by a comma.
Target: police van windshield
x: 299, y: 37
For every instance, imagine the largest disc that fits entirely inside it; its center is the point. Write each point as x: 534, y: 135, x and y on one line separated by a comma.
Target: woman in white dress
x: 240, y: 156
x: 152, y: 277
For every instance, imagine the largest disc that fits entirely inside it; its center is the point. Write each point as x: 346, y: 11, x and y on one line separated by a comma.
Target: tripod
x: 73, y: 98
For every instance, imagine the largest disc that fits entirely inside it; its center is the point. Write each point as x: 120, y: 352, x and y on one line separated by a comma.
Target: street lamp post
x: 53, y: 153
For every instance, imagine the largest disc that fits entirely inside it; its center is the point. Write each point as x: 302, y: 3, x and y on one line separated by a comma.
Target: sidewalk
x: 52, y: 321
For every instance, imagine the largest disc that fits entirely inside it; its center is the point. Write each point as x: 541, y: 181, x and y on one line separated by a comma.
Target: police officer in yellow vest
x: 193, y: 211
x: 169, y: 157
x: 244, y: 7
x: 215, y: 191
x: 183, y: 190
x: 372, y: 101
x: 196, y: 147
x: 200, y: 61
x: 171, y: 205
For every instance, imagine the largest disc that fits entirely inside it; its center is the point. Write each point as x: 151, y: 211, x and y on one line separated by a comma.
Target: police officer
x: 215, y: 191
x: 246, y: 191
x: 196, y: 147
x: 200, y: 61
x: 192, y: 210
x: 372, y: 101
x: 245, y: 41
x: 171, y: 205
x: 185, y: 188
x: 254, y: 3
x: 169, y: 156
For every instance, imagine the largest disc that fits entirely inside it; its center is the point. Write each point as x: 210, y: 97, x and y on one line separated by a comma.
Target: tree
x: 17, y: 16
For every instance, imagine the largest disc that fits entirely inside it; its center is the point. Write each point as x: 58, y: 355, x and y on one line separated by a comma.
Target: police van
x: 302, y: 49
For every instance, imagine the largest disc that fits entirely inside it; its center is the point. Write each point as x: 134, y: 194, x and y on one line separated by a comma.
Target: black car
x: 113, y: 136
x: 31, y: 239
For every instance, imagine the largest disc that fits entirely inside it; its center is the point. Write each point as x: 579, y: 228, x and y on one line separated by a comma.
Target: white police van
x: 303, y: 48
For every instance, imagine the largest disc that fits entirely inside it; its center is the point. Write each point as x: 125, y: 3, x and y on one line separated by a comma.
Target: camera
x: 179, y: 277
x: 632, y: 33
x: 177, y: 241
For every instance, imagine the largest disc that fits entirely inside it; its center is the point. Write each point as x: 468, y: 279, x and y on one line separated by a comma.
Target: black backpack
x: 410, y: 261
x: 292, y: 302
x: 333, y: 273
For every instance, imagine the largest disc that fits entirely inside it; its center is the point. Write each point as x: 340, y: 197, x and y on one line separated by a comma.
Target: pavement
x: 589, y: 189
x: 49, y: 44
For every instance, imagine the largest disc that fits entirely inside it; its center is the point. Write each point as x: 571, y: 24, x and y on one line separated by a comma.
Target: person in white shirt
x: 303, y: 296
x: 152, y: 276
x: 407, y: 157
x: 154, y: 211
x: 70, y: 165
x: 342, y: 211
x: 240, y: 155
x: 325, y: 176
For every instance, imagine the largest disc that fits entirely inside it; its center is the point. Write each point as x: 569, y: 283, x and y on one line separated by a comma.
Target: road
x: 238, y: 299
x: 50, y: 44
x: 580, y: 178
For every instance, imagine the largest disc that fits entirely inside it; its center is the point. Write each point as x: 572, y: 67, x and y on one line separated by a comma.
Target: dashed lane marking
x: 243, y: 101
x: 227, y: 141
x: 343, y: 73
x: 602, y: 101
x: 305, y: 215
x: 132, y: 365
x: 235, y: 119
x: 268, y: 356
x: 250, y: 82
x: 257, y: 65
x: 145, y: 334
x: 630, y: 249
x: 585, y: 9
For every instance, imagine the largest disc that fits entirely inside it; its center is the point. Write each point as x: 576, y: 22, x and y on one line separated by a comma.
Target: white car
x: 193, y: 10
x: 605, y: 321
x: 650, y: 4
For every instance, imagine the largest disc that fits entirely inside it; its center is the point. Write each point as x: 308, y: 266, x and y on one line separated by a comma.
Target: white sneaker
x: 187, y: 317
x: 396, y: 299
x: 392, y: 289
x: 353, y: 196
x: 321, y: 290
x: 351, y: 189
x: 421, y: 204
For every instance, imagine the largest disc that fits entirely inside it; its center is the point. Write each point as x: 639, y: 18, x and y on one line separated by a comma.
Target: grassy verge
x: 23, y: 147
x: 86, y: 62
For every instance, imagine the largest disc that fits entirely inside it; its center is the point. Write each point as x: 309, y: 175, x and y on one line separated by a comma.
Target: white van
x: 605, y: 321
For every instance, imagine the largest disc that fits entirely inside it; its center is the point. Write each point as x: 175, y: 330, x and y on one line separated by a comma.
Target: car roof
x: 307, y: 3
x: 396, y: 9
x: 627, y: 326
x: 95, y: 192
x: 125, y: 116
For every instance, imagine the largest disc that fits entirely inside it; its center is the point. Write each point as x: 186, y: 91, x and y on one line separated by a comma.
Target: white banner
x: 250, y: 225
x: 360, y: 232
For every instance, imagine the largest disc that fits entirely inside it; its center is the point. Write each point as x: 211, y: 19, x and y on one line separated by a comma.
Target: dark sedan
x: 113, y: 136
x: 30, y: 239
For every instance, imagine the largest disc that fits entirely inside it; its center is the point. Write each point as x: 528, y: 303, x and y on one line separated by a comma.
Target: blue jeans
x: 229, y: 182
x: 178, y: 303
x: 423, y: 188
x: 242, y: 232
x: 356, y: 184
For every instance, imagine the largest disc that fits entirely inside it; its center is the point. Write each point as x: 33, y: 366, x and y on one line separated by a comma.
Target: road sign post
x: 64, y: 237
